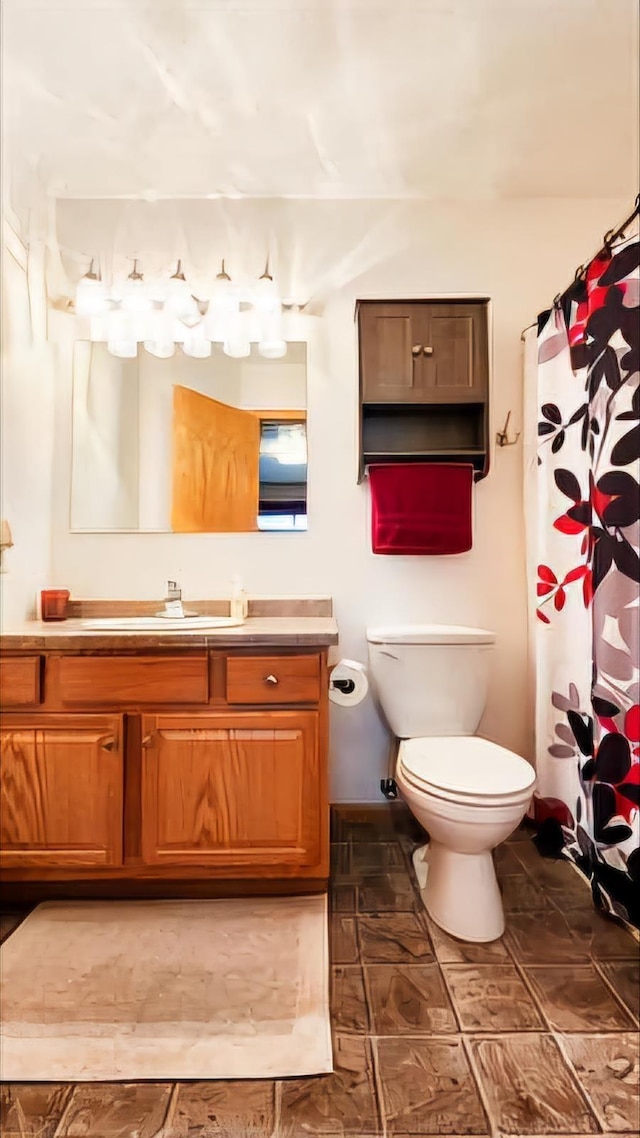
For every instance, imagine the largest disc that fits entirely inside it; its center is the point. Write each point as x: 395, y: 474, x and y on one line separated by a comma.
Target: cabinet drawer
x: 20, y: 681
x: 273, y: 679
x: 89, y: 681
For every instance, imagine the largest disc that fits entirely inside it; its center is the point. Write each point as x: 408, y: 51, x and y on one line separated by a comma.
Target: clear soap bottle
x: 238, y: 607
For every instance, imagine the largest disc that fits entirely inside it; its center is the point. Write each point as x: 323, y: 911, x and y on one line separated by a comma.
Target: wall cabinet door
x: 232, y: 790
x: 423, y: 352
x: 61, y: 783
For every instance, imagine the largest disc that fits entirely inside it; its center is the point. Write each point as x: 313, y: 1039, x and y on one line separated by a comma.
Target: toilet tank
x: 430, y: 679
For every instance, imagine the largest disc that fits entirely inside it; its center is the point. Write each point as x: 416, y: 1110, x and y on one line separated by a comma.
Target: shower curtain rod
x: 611, y: 236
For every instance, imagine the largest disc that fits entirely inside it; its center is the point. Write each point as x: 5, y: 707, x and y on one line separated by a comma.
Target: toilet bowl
x: 469, y: 794
x: 442, y: 782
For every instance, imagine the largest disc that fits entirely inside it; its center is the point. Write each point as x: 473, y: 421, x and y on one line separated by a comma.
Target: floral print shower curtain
x: 583, y: 375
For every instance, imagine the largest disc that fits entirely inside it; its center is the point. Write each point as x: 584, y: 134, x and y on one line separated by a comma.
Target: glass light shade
x: 91, y: 296
x: 122, y: 339
x: 195, y: 344
x: 238, y: 348
x: 178, y: 300
x: 223, y: 310
x: 124, y: 349
x: 272, y: 349
x: 265, y: 295
x: 162, y: 348
x: 136, y: 298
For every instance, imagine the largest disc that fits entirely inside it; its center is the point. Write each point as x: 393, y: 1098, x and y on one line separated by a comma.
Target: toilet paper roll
x: 348, y: 683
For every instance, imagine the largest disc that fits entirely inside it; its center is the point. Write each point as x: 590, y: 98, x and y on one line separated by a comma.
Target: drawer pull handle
x: 271, y: 679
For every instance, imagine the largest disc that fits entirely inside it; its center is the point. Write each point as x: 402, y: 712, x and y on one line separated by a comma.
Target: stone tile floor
x: 536, y: 1034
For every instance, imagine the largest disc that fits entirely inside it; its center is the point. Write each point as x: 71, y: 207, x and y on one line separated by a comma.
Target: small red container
x: 53, y: 603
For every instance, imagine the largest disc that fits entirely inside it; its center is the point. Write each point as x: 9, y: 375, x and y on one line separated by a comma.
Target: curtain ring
x: 607, y: 241
x: 580, y: 273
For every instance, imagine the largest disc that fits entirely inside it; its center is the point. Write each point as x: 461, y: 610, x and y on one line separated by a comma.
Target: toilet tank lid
x: 429, y: 634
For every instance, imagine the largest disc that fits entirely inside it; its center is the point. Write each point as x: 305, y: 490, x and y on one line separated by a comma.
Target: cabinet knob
x: 108, y: 744
x: 416, y: 350
x: 271, y: 679
x: 428, y: 351
x: 146, y: 742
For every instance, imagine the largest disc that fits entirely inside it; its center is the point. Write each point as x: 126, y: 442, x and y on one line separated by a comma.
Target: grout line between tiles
x: 169, y: 1114
x: 377, y: 1082
x: 494, y: 1128
x: 537, y: 1003
x: 557, y: 1035
x: 448, y: 990
x: 277, y: 1106
x: 597, y: 964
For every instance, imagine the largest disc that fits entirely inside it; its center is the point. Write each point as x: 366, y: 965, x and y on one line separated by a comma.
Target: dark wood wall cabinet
x: 164, y: 773
x: 424, y: 382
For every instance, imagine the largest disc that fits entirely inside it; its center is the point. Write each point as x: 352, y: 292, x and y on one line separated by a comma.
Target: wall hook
x: 502, y: 437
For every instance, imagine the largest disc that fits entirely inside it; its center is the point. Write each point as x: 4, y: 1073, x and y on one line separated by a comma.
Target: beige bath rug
x: 229, y: 989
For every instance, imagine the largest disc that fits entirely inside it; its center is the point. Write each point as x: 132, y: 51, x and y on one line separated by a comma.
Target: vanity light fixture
x: 91, y: 295
x: 162, y: 315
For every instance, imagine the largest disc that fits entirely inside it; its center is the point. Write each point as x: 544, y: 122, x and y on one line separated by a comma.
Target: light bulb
x: 91, y: 295
x: 136, y: 299
x: 195, y: 344
x: 223, y: 310
x: 178, y: 300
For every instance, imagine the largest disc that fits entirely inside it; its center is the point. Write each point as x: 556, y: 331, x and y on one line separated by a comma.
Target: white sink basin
x: 159, y: 623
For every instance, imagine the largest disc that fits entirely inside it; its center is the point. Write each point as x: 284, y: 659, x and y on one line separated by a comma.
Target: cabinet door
x: 232, y: 790
x: 390, y: 352
x: 61, y: 782
x: 454, y: 363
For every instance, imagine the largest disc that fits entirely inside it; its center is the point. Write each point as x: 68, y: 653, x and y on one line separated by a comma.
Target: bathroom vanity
x: 181, y: 763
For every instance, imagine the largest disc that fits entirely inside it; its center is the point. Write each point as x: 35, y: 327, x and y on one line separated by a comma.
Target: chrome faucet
x: 173, y: 600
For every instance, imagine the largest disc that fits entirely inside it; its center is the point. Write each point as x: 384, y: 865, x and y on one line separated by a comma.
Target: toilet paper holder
x: 345, y: 686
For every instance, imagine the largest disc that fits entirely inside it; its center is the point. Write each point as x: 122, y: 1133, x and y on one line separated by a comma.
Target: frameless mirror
x: 188, y: 445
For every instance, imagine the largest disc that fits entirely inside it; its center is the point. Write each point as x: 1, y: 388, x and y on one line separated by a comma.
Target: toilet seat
x: 466, y: 769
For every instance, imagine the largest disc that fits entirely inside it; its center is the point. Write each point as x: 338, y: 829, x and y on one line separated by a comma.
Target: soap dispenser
x: 239, y: 605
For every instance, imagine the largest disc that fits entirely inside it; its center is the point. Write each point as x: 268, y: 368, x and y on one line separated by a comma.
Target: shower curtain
x: 582, y: 373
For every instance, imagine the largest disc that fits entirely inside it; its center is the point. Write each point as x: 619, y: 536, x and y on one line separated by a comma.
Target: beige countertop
x: 269, y: 631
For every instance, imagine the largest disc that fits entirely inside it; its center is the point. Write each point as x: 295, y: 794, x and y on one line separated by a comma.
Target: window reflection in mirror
x: 188, y: 445
x: 283, y: 475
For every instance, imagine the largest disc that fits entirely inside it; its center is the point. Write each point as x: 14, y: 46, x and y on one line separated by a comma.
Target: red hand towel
x: 421, y: 508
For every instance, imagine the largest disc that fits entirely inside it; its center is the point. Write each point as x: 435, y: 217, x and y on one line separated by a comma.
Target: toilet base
x: 460, y: 892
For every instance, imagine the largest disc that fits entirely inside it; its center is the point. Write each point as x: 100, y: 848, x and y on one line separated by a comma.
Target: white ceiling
x: 446, y: 99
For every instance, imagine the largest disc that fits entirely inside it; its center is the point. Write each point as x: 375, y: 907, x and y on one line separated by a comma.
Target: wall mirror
x: 186, y: 445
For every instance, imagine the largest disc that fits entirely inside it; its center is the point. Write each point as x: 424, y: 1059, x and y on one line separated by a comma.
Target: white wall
x: 518, y: 252
x: 26, y: 418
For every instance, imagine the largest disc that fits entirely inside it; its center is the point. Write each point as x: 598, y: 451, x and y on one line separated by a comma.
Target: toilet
x: 469, y: 794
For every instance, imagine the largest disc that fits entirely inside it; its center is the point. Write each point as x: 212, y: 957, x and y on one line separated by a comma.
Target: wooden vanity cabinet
x: 215, y: 782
